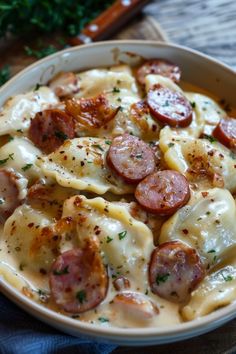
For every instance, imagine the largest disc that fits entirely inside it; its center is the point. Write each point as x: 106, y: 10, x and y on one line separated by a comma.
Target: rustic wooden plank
x: 208, y: 26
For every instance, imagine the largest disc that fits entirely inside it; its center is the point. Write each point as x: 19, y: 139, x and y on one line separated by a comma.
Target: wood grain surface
x: 206, y: 25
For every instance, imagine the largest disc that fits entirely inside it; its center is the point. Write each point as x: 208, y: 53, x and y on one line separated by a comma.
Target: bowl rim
x: 187, y: 329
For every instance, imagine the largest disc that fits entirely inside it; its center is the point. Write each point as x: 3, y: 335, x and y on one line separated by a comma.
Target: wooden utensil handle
x: 109, y: 21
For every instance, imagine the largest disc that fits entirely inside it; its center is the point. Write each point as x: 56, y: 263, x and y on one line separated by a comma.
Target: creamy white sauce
x: 28, y: 271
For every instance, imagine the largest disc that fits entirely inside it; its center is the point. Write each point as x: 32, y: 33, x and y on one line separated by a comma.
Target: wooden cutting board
x: 222, y: 340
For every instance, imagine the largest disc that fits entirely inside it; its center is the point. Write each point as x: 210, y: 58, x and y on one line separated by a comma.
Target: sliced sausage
x: 50, y: 128
x: 64, y: 84
x: 131, y: 158
x: 159, y: 67
x: 135, y: 305
x: 163, y: 192
x: 175, y: 270
x: 169, y: 107
x: 9, y: 194
x: 91, y: 112
x: 78, y: 279
x: 225, y: 132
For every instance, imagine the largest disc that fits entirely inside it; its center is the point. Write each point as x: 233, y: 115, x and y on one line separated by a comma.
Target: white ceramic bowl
x: 197, y: 69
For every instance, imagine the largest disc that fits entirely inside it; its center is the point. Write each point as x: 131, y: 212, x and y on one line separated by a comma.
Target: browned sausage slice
x: 225, y: 132
x: 9, y: 194
x: 159, y: 67
x: 169, y: 107
x: 92, y: 112
x: 131, y: 158
x: 50, y: 128
x: 163, y: 192
x: 78, y: 280
x: 175, y: 270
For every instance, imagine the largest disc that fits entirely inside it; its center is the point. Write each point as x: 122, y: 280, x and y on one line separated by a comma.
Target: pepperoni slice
x: 225, y: 132
x: 9, y: 194
x: 91, y: 112
x: 131, y: 158
x: 50, y: 128
x: 169, y: 107
x: 64, y: 84
x: 163, y: 192
x: 78, y: 280
x: 175, y: 270
x: 159, y: 67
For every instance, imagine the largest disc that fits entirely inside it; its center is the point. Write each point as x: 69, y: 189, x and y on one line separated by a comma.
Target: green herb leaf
x: 115, y: 90
x: 97, y: 146
x: 109, y: 239
x: 40, y: 53
x: 162, y: 278
x: 226, y: 277
x: 210, y: 138
x: 193, y: 104
x: 108, y: 142
x: 27, y: 166
x: 211, y: 251
x: 122, y: 234
x: 103, y: 319
x: 81, y: 296
x: 2, y: 162
x: 171, y: 145
x: 62, y: 271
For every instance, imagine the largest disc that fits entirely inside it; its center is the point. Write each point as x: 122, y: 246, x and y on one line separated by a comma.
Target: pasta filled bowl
x: 117, y: 192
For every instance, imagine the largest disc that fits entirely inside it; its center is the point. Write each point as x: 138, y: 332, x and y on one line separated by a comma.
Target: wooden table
x: 209, y: 26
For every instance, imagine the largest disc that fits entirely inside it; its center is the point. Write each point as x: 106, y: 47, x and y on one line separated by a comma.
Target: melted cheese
x: 80, y: 164
x: 207, y: 224
x: 18, y: 110
x: 208, y: 164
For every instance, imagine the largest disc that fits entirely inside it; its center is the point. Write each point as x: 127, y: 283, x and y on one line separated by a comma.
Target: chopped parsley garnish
x: 10, y: 138
x: 62, y: 271
x: 115, y: 90
x: 208, y: 213
x: 162, y: 278
x: 122, y: 234
x: 81, y: 296
x: 166, y: 104
x: 109, y: 239
x: 193, y: 104
x: 37, y: 86
x: 211, y: 251
x: 119, y: 99
x: 27, y: 166
x: 97, y: 146
x: 210, y: 138
x: 61, y: 135
x: 226, y: 277
x: 171, y: 145
x: 19, y: 130
x: 103, y: 319
x: 22, y: 266
x: 108, y: 142
x: 4, y: 161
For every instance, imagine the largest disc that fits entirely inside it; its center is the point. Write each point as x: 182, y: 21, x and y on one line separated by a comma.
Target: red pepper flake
x: 65, y: 157
x: 30, y: 224
x: 42, y: 271
x: 185, y: 231
x: 205, y: 194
